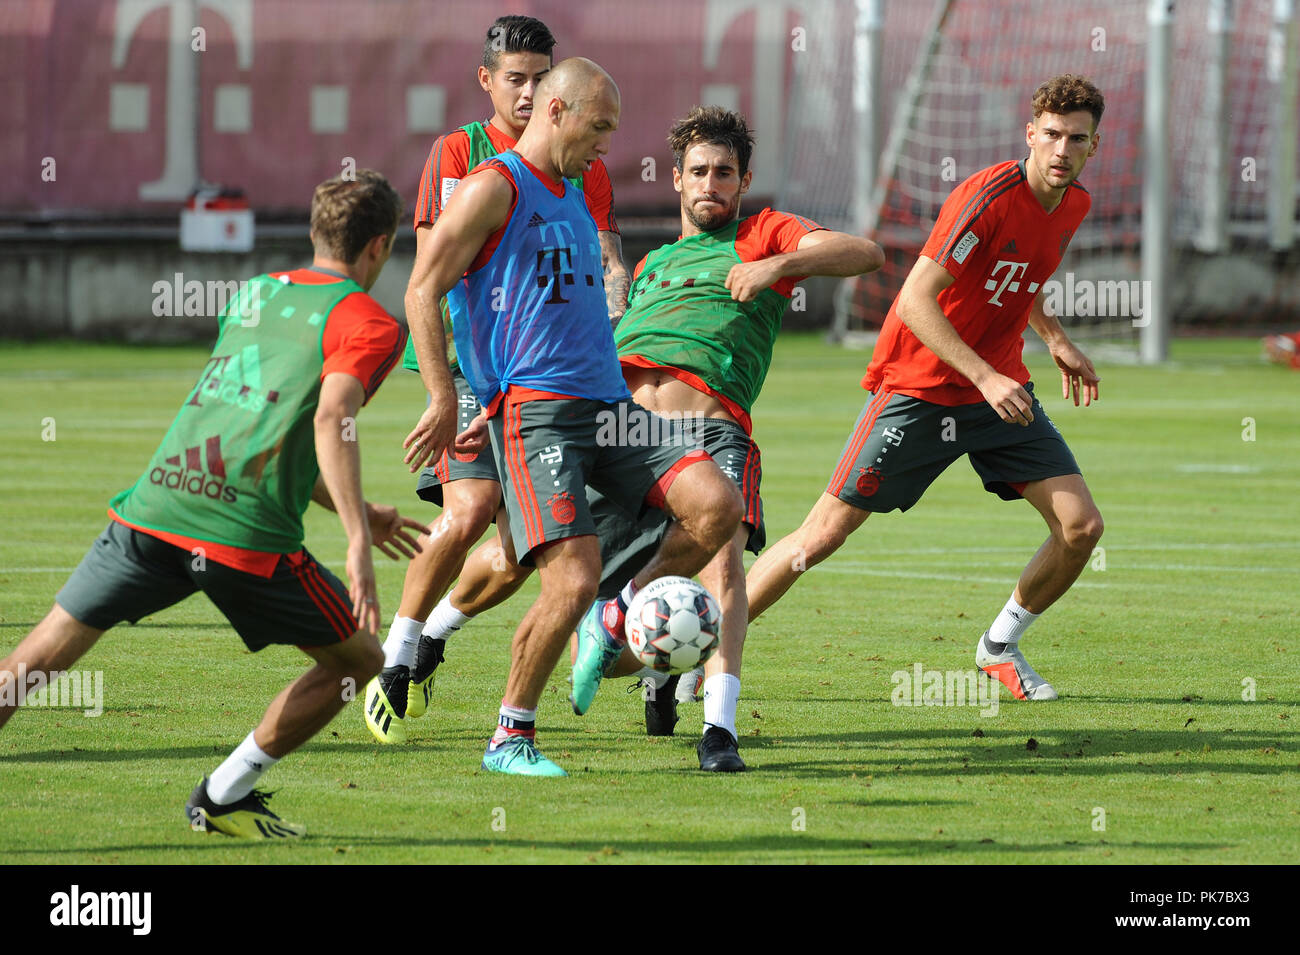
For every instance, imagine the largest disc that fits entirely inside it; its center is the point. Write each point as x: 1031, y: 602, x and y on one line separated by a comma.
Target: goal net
x: 955, y: 86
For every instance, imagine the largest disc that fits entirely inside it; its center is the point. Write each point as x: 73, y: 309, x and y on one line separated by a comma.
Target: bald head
x: 578, y: 82
x: 575, y: 112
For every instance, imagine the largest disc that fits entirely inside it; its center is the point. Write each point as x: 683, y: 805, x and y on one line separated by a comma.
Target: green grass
x: 1197, y: 593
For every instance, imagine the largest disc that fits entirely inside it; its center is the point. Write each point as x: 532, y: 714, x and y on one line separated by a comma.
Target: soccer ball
x: 673, y: 624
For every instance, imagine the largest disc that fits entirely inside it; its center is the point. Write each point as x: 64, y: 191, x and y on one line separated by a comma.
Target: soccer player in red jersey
x: 516, y: 55
x: 947, y: 379
x: 268, y: 428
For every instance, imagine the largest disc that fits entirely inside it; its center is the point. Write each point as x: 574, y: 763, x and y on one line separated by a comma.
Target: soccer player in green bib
x: 268, y: 428
x: 696, y: 344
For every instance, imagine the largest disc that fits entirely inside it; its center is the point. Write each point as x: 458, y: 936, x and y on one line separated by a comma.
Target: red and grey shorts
x: 900, y: 445
x: 627, y: 543
x: 128, y: 575
x: 548, y: 450
x: 453, y: 466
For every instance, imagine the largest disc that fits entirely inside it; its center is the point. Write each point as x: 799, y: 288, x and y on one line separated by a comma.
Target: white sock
x: 626, y: 594
x: 399, y: 648
x: 235, y: 778
x: 653, y: 676
x: 1011, y: 623
x: 445, y: 620
x: 721, y: 694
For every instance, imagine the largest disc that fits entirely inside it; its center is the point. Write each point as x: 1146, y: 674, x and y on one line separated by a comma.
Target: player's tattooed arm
x: 918, y: 308
x: 617, y: 280
x: 823, y: 252
x: 1077, y: 374
x: 479, y: 206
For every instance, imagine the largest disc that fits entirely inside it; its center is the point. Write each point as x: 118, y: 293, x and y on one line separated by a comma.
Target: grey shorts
x: 453, y: 466
x: 549, y: 450
x: 627, y: 542
x: 128, y: 575
x: 900, y: 445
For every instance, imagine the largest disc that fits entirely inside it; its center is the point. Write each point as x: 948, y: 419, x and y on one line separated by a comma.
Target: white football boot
x: 1013, y: 671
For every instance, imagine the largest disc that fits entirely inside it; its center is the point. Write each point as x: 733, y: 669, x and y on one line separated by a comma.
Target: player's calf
x: 56, y: 643
x: 825, y: 529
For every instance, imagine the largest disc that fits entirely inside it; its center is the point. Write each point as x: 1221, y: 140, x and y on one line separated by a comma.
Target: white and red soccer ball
x: 673, y: 624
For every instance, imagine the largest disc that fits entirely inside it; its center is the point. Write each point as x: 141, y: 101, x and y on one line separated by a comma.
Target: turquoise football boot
x: 518, y: 756
x: 597, y: 652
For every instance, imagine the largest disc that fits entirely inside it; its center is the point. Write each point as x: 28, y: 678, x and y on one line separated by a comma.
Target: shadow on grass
x: 1095, y: 752
x: 795, y: 845
x: 79, y: 755
x: 1057, y: 752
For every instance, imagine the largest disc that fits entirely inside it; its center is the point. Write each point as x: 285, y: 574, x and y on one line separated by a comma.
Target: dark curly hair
x: 713, y: 126
x: 1069, y: 93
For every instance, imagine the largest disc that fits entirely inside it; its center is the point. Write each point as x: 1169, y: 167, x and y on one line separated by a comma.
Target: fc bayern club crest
x: 562, y: 508
x: 868, y: 482
x: 462, y: 457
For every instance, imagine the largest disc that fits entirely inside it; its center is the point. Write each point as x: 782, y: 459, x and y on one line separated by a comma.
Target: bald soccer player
x: 517, y: 255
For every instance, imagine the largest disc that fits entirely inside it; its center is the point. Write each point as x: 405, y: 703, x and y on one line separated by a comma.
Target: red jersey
x: 361, y: 340
x: 1000, y: 245
x: 448, y: 163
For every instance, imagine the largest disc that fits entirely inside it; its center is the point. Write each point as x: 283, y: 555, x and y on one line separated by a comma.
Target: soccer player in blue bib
x: 516, y: 253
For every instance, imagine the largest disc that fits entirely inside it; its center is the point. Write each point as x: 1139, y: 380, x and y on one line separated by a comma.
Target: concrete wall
x: 97, y: 286
x: 101, y: 285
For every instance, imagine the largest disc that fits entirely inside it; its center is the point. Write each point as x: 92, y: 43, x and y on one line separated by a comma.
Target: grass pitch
x: 1175, y: 655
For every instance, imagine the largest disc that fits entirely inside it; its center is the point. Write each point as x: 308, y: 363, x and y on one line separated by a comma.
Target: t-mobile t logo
x: 1013, y: 270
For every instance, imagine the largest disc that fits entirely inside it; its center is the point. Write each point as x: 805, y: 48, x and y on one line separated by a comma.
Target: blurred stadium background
x: 867, y: 112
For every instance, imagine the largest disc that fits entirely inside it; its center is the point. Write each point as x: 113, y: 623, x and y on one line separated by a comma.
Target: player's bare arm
x: 823, y: 252
x: 1077, y: 374
x: 339, y: 457
x: 617, y: 280
x: 390, y: 532
x: 478, y: 208
x: 918, y: 309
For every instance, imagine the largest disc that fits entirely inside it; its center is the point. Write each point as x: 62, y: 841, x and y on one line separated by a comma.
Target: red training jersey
x: 1000, y: 246
x: 448, y: 163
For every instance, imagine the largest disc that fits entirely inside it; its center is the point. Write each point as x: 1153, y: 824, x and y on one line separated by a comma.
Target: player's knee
x: 1093, y: 528
x: 359, y: 659
x: 512, y: 574
x: 723, y: 517
x: 1083, y: 532
x: 468, y: 520
x: 822, y: 539
x: 583, y: 595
